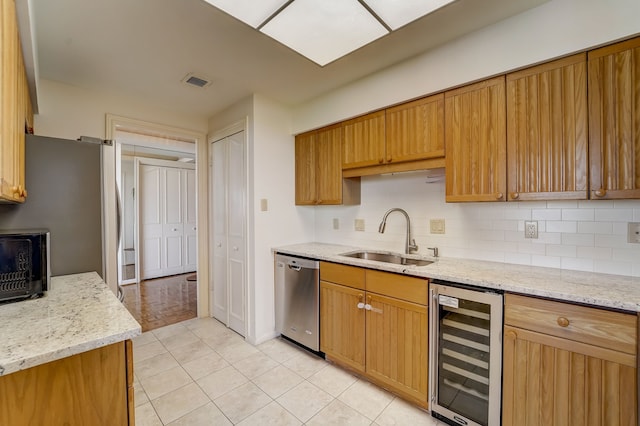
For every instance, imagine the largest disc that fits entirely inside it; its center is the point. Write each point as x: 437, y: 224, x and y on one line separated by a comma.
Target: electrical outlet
x: 531, y: 229
x: 336, y: 223
x: 264, y: 205
x: 359, y: 224
x: 436, y: 226
x: 634, y: 233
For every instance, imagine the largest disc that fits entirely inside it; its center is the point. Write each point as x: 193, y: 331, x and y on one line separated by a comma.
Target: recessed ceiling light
x: 326, y: 30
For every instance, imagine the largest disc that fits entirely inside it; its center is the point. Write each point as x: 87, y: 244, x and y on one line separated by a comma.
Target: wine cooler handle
x: 433, y: 329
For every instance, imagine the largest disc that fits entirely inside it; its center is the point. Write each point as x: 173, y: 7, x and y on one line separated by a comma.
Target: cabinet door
x: 551, y: 381
x: 342, y: 325
x: 397, y: 349
x: 547, y: 131
x: 328, y: 168
x: 364, y: 141
x: 475, y: 138
x: 306, y: 169
x: 614, y: 120
x: 415, y: 130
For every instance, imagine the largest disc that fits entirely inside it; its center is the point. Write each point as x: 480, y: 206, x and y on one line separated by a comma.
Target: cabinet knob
x: 511, y: 334
x: 24, y: 193
x: 563, y: 322
x: 15, y: 190
x: 381, y: 160
x: 499, y: 196
x: 515, y: 195
x: 389, y: 159
x: 360, y: 304
x: 600, y: 192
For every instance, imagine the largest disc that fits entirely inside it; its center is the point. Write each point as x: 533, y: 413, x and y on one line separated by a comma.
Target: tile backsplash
x: 578, y: 235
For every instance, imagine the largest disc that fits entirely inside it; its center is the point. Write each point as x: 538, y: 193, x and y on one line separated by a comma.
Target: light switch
x: 264, y: 205
x: 336, y: 223
x: 634, y: 233
x: 359, y: 224
x: 436, y: 226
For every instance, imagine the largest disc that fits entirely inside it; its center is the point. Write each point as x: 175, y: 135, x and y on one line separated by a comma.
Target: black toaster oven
x: 24, y: 264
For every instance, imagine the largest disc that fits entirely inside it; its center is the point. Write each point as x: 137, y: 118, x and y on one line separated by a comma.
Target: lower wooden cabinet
x: 566, y: 375
x: 91, y: 388
x: 376, y: 324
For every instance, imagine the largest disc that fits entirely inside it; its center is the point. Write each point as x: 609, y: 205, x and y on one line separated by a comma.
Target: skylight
x: 326, y: 30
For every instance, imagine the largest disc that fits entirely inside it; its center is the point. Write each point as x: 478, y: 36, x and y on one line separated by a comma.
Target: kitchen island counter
x: 79, y: 313
x: 603, y: 290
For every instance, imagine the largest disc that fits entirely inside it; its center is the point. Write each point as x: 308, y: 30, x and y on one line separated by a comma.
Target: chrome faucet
x: 410, y: 244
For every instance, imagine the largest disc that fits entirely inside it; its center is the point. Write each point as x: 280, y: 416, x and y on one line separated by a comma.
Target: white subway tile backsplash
x: 562, y: 226
x: 614, y: 215
x: 546, y: 214
x: 581, y: 235
x: 578, y: 214
x: 586, y: 240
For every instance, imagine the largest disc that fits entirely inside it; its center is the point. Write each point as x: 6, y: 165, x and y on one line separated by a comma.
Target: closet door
x: 151, y: 191
x: 172, y: 226
x: 228, y: 286
x: 190, y: 219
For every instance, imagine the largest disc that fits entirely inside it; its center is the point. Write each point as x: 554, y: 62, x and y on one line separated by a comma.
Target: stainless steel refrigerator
x: 63, y: 180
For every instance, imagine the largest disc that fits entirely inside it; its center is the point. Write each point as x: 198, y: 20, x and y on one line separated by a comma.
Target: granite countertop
x: 79, y: 313
x: 603, y: 290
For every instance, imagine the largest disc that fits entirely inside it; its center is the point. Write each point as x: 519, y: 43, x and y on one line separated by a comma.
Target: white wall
x: 577, y: 235
x: 270, y: 154
x: 556, y: 28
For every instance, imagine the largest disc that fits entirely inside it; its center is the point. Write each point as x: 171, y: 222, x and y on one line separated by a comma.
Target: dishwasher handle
x: 294, y: 267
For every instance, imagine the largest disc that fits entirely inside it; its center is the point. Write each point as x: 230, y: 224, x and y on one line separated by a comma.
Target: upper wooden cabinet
x: 614, y: 120
x: 547, y: 131
x: 364, y: 141
x: 415, y: 130
x: 319, y: 169
x: 475, y: 137
x: 14, y: 107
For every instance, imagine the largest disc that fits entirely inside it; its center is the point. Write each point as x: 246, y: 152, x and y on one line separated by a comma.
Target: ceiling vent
x: 197, y: 81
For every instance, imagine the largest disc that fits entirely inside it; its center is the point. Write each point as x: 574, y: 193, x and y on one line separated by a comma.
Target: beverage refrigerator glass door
x: 466, y: 355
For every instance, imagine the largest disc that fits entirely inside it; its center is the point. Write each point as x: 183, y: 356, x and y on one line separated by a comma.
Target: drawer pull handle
x: 563, y: 322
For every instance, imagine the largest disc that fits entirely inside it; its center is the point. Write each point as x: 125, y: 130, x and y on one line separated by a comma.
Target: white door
x: 190, y: 221
x: 167, y: 218
x: 151, y: 192
x: 228, y: 220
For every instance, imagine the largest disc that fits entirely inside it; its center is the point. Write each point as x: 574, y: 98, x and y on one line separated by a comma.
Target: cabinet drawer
x: 599, y: 327
x: 411, y: 289
x: 351, y: 276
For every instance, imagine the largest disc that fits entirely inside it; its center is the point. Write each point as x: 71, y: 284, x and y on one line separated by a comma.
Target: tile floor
x: 198, y: 372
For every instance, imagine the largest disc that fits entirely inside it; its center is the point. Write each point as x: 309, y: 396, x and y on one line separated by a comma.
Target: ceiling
x: 145, y: 48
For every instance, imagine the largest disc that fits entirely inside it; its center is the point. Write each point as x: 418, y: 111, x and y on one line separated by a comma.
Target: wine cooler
x: 465, y: 330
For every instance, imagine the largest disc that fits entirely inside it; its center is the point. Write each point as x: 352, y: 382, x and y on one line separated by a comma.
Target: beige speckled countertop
x: 79, y: 313
x: 604, y: 290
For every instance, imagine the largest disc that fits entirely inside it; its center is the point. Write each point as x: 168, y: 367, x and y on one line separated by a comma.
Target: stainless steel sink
x: 386, y: 257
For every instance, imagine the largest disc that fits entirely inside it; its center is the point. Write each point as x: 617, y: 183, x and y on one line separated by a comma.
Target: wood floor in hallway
x: 162, y: 301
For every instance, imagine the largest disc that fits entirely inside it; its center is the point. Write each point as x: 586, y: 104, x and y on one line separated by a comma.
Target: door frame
x: 115, y: 123
x: 230, y: 130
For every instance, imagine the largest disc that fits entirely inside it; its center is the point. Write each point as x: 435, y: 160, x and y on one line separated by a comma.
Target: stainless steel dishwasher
x: 297, y: 300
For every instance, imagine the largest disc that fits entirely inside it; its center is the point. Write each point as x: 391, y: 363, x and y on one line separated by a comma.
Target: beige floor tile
x: 277, y: 381
x: 191, y: 351
x: 219, y: 338
x: 279, y: 349
x: 242, y: 402
x: 305, y: 401
x: 177, y: 340
x: 255, y: 365
x: 160, y: 384
x: 169, y: 330
x: 146, y: 416
x: 141, y: 353
x: 305, y: 364
x: 333, y: 380
x: 369, y: 400
x: 139, y: 395
x: 204, y: 366
x: 339, y: 414
x: 154, y: 365
x: 177, y: 403
x: 237, y: 351
x: 271, y: 415
x: 207, y: 415
x: 400, y: 413
x: 220, y: 382
x: 144, y: 338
